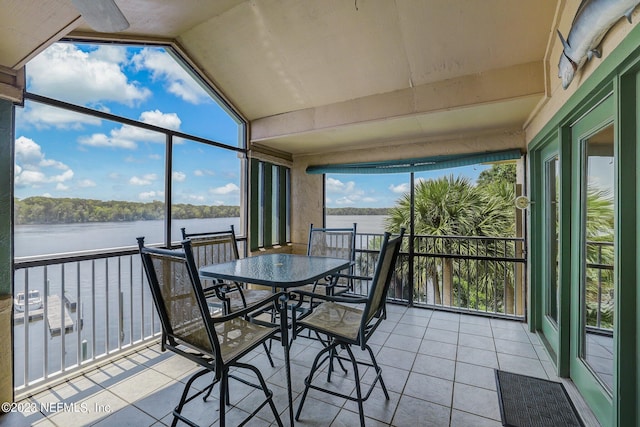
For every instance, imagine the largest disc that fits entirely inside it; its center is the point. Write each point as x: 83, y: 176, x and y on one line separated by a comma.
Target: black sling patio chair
x: 347, y: 326
x: 215, y: 343
x: 215, y: 247
x: 335, y: 243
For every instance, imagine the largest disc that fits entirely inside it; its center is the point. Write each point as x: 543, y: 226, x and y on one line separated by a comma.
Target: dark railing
x: 96, y: 304
x: 471, y: 274
x: 599, y: 298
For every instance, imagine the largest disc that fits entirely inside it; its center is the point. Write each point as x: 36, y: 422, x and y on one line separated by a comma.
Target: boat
x: 34, y: 301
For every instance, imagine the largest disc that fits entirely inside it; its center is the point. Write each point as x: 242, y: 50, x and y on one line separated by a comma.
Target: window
x: 270, y: 212
x: 112, y: 140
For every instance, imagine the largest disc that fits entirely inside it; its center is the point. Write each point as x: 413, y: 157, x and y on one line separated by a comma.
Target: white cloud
x: 33, y: 169
x: 336, y: 186
x: 226, y: 189
x: 179, y: 176
x: 150, y: 195
x: 203, y: 172
x: 344, y: 201
x: 62, y: 187
x: 63, y: 71
x: 158, y: 118
x: 177, y: 80
x: 400, y: 188
x: 86, y: 183
x: 128, y: 136
x: 102, y: 140
x: 193, y: 197
x: 346, y: 193
x: 144, y: 180
x: 43, y: 116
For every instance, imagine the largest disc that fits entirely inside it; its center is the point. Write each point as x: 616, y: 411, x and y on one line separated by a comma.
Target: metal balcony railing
x: 92, y: 305
x: 96, y: 304
x: 470, y: 274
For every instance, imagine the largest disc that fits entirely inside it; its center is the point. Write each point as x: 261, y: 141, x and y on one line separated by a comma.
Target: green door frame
x: 618, y: 72
x: 598, y: 398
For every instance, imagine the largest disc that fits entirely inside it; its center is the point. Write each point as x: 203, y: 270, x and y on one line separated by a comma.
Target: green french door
x: 593, y: 257
x: 549, y: 170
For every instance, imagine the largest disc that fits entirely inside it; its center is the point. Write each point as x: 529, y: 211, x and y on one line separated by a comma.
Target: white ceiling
x: 319, y: 75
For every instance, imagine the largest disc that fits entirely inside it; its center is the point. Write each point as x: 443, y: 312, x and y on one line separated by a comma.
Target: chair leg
x: 184, y: 399
x: 307, y: 381
x: 224, y: 396
x: 356, y: 374
x: 268, y: 393
x: 378, y: 371
x: 268, y: 351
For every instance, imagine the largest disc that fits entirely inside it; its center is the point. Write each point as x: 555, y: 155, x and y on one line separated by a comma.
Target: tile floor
x: 438, y: 368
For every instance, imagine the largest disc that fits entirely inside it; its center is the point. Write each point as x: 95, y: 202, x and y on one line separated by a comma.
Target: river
x: 85, y: 283
x: 43, y: 239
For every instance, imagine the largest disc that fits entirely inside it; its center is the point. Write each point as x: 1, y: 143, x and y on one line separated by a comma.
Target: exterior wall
x: 617, y: 72
x: 556, y: 96
x: 6, y: 250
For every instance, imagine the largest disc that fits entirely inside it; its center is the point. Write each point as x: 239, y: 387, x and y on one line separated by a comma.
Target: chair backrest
x: 179, y: 299
x: 213, y: 247
x: 382, y: 275
x: 332, y: 242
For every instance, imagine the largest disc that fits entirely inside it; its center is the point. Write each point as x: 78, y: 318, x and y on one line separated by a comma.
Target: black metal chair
x: 326, y: 242
x: 336, y: 243
x: 215, y: 343
x: 348, y: 326
x: 216, y: 247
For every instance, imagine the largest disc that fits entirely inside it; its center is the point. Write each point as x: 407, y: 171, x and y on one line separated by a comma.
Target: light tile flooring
x: 438, y: 368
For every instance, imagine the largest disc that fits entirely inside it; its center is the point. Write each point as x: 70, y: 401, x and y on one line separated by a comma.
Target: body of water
x: 113, y: 306
x: 365, y: 223
x: 43, y: 239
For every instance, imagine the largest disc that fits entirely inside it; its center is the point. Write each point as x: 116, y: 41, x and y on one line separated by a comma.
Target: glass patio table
x: 280, y: 272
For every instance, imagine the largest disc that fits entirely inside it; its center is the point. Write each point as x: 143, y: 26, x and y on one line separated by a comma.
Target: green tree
x: 505, y: 172
x: 448, y: 207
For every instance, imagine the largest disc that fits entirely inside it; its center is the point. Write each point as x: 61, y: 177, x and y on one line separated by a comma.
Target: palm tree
x: 447, y: 207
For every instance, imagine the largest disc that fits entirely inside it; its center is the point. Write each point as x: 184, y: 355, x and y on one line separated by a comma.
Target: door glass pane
x: 598, y: 190
x: 551, y: 209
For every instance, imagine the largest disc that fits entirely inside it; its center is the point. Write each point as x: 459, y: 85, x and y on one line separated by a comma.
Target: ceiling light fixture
x: 102, y: 15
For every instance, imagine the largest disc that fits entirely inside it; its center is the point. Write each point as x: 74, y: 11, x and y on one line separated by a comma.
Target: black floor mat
x: 534, y: 402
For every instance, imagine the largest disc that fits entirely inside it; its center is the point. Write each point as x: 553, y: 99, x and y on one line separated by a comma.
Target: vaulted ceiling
x: 320, y: 75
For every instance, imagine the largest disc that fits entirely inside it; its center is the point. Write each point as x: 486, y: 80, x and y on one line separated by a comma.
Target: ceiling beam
x: 493, y: 86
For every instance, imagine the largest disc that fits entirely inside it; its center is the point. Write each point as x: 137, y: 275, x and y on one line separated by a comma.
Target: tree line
x: 358, y: 211
x: 49, y: 210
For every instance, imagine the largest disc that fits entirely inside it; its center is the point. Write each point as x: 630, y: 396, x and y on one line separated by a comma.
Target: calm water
x: 85, y: 283
x: 60, y: 238
x: 365, y: 223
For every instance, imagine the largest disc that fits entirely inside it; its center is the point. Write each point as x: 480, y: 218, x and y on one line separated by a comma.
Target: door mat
x: 534, y: 402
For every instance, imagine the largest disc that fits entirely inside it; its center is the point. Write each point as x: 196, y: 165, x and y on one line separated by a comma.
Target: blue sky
x: 383, y: 190
x: 64, y: 154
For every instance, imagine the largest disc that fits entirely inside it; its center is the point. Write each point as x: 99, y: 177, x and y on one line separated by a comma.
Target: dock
x: 54, y: 316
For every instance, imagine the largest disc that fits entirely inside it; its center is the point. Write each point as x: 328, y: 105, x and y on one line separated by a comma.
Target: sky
x: 375, y: 191
x: 65, y: 154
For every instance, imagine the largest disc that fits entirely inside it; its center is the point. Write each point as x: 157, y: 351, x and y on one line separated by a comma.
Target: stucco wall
x: 557, y: 96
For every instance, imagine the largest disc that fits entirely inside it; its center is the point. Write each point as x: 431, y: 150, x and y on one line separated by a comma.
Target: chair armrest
x: 272, y: 299
x: 340, y: 298
x: 351, y: 276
